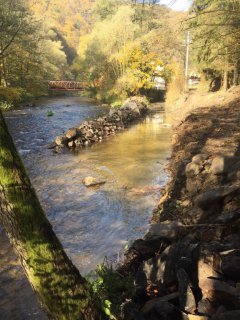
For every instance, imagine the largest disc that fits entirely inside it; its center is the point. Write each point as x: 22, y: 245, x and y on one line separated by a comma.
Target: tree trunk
x: 225, y: 75
x: 236, y: 74
x: 62, y: 291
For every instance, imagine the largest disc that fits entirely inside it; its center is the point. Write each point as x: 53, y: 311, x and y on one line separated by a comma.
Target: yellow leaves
x: 70, y: 17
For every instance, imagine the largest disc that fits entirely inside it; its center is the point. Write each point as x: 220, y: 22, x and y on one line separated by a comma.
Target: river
x: 92, y: 223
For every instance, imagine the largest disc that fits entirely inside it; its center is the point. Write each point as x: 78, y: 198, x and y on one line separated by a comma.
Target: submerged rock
x: 91, y: 181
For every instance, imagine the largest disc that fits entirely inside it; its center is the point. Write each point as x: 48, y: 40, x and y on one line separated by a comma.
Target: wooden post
x: 187, y: 61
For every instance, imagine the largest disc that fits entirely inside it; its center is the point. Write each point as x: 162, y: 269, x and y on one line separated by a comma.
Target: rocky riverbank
x: 101, y: 128
x: 188, y: 265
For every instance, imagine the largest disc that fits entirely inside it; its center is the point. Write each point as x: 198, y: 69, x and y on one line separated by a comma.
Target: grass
x: 112, y: 288
x: 4, y: 105
x: 50, y: 113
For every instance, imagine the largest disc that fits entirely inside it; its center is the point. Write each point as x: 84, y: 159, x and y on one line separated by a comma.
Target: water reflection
x: 92, y: 223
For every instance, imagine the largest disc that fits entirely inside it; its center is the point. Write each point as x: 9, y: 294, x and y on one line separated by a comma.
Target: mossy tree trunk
x: 62, y: 291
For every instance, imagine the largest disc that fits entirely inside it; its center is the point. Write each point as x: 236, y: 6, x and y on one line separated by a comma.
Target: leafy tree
x: 29, y: 55
x: 122, y: 52
x: 215, y: 27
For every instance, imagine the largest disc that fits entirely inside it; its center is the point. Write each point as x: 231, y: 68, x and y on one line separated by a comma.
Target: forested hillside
x: 115, y: 46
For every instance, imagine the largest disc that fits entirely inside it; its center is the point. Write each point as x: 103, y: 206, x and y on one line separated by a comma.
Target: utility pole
x: 187, y: 61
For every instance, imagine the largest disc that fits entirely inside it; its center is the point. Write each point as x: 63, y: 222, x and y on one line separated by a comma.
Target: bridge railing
x: 66, y: 85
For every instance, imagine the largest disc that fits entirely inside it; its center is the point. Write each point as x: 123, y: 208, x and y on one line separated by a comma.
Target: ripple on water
x: 91, y: 223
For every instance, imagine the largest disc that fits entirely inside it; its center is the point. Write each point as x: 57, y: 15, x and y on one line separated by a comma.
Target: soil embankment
x: 188, y: 265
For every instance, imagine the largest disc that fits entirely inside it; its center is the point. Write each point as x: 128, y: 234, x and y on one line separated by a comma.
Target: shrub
x: 175, y: 89
x: 4, y: 105
x: 112, y: 288
x: 116, y: 104
x: 50, y: 113
x: 12, y: 95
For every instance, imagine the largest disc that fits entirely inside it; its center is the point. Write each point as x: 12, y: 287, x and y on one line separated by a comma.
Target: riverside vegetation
x: 117, y: 47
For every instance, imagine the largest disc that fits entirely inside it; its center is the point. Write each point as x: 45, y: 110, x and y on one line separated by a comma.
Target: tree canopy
x: 215, y: 28
x: 114, y: 45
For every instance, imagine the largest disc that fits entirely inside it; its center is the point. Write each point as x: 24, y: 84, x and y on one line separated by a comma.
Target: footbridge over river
x: 66, y: 86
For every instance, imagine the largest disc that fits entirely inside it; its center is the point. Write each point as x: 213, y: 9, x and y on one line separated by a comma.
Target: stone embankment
x: 101, y: 128
x: 187, y: 267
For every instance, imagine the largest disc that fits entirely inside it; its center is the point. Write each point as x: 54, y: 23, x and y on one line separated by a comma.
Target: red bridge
x: 66, y: 85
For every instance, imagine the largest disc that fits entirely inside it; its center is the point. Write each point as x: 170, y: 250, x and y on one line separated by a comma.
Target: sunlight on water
x: 91, y: 223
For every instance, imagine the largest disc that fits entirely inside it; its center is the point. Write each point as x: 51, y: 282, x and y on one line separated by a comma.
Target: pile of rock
x: 183, y: 278
x: 188, y: 265
x: 96, y: 130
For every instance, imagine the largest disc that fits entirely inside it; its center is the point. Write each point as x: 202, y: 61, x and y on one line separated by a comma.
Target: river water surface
x: 92, y: 223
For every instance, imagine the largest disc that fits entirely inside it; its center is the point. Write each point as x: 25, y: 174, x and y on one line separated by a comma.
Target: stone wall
x: 99, y: 129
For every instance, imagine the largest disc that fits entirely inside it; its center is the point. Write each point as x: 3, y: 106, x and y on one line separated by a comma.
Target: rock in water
x: 91, y: 181
x: 61, y: 140
x: 71, y: 133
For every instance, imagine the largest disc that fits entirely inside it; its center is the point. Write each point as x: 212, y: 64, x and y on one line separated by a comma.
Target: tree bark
x: 62, y: 291
x: 236, y: 74
x: 225, y: 75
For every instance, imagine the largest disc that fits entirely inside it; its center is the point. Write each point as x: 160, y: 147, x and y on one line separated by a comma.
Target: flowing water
x: 92, y: 223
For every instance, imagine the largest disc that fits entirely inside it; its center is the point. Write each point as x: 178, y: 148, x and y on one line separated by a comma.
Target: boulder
x: 207, y: 267
x: 167, y: 229
x: 230, y: 266
x: 228, y: 315
x: 131, y: 105
x: 142, y: 250
x: 218, y: 165
x: 129, y: 310
x: 91, y: 181
x: 150, y: 304
x: 87, y: 143
x: 163, y: 310
x: 159, y: 270
x: 200, y: 158
x: 113, y: 112
x: 206, y: 308
x: 220, y: 291
x: 71, y: 133
x: 71, y: 144
x: 167, y: 311
x: 227, y: 217
x: 213, y: 196
x: 78, y: 142
x: 61, y: 141
x: 193, y: 168
x: 186, y: 297
x: 195, y: 317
